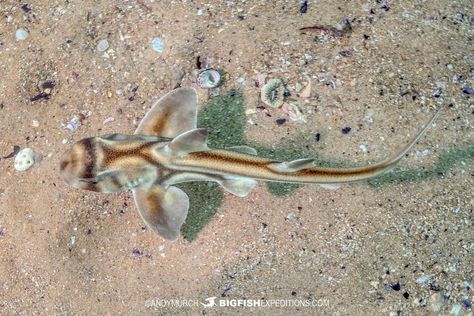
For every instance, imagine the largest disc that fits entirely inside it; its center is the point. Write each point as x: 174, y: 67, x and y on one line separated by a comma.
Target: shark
x: 168, y: 148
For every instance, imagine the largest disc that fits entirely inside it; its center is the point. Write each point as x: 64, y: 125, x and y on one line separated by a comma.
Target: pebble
x: 280, y: 121
x: 450, y: 67
x: 437, y: 92
x: 456, y: 309
x: 363, y: 148
x: 290, y: 216
x: 468, y: 90
x: 108, y: 120
x: 423, y: 279
x: 24, y: 159
x: 436, y: 302
x: 158, y: 45
x: 346, y: 130
x: 21, y: 34
x: 102, y: 45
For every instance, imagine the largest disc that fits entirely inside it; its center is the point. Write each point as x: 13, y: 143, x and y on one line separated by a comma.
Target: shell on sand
x: 273, y: 93
x: 209, y: 78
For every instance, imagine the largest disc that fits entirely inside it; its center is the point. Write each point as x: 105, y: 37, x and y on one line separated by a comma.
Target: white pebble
x: 456, y: 309
x: 423, y: 279
x: 158, y: 45
x: 363, y: 148
x: 21, y: 34
x: 24, y: 159
x: 102, y: 45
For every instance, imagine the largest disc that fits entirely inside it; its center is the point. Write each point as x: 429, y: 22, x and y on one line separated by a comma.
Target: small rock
x: 437, y: 92
x: 456, y: 310
x: 304, y: 7
x: 468, y: 90
x: 346, y: 130
x: 136, y: 252
x: 280, y: 121
x: 24, y: 159
x: 158, y: 45
x: 290, y: 216
x: 21, y: 34
x: 396, y: 287
x: 363, y: 148
x: 437, y: 301
x: 450, y: 67
x: 102, y: 45
x: 345, y: 53
x: 108, y: 120
x: 423, y: 279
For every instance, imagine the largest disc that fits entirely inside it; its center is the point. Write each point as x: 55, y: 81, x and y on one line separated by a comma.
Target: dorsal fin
x: 292, y: 166
x: 188, y: 142
x: 244, y: 150
x: 173, y: 114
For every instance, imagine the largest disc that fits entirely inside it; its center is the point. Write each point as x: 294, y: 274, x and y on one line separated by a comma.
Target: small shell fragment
x: 24, y: 159
x: 102, y: 45
x: 209, y: 78
x: 21, y: 34
x: 158, y: 45
x: 306, y: 93
x: 273, y: 93
x: 294, y: 111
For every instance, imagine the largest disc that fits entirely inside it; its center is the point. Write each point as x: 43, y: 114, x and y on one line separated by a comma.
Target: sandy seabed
x: 404, y: 248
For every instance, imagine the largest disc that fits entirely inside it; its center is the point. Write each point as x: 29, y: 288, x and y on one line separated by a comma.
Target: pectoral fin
x: 163, y: 210
x: 173, y: 114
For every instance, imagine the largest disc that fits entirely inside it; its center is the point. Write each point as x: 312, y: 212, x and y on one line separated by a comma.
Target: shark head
x: 79, y: 163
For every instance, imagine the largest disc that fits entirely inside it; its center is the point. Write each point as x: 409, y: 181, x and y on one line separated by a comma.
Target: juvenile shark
x: 167, y: 149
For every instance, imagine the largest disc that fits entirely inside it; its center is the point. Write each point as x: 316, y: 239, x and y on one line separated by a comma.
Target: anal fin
x: 163, y: 210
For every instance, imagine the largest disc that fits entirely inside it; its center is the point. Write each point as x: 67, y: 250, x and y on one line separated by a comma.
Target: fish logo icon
x: 211, y: 301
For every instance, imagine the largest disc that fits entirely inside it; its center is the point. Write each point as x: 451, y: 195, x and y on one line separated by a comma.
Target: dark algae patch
x: 224, y: 117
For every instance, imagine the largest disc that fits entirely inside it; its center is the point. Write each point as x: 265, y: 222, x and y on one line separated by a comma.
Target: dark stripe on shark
x: 139, y: 151
x: 89, y: 150
x: 224, y: 157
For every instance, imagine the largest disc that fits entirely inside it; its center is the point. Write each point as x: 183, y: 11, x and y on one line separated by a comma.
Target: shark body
x: 167, y: 149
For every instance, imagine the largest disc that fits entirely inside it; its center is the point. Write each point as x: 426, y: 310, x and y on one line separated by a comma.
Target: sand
x: 401, y: 248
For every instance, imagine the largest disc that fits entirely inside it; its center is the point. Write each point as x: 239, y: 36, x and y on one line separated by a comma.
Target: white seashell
x: 21, y: 34
x: 24, y: 159
x: 209, y: 78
